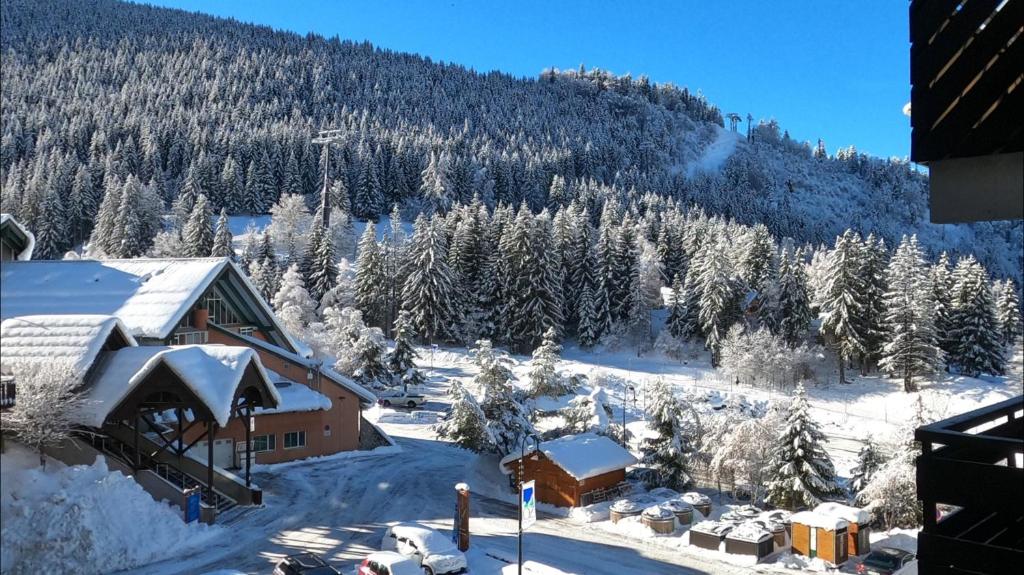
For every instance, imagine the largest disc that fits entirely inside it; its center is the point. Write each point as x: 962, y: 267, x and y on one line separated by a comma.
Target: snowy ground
x: 338, y: 507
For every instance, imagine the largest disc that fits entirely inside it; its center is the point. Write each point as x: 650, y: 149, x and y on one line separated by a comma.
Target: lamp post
x: 624, y: 398
x: 522, y: 458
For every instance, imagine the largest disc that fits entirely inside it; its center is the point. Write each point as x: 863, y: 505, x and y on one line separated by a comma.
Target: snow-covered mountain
x: 97, y: 88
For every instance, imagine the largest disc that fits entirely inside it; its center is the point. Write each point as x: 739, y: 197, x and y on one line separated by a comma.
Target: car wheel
x: 411, y: 404
x: 386, y: 403
x: 428, y: 571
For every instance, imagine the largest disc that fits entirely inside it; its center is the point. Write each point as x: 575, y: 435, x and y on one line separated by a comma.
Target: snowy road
x: 338, y: 509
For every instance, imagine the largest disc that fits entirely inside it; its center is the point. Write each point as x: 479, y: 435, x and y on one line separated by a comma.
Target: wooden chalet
x: 568, y: 468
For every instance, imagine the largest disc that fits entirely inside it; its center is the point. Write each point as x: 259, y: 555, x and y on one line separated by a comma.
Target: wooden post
x: 181, y: 446
x: 463, y: 507
x: 248, y: 442
x: 209, y: 463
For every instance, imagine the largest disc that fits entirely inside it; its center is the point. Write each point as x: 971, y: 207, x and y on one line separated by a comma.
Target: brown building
x: 820, y: 535
x: 570, y: 467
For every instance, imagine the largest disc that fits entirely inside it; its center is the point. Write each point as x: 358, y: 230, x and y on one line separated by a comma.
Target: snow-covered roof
x: 850, y: 514
x: 295, y: 397
x: 74, y: 339
x: 819, y: 520
x: 212, y: 372
x: 346, y: 382
x: 30, y: 240
x: 148, y: 295
x: 582, y: 456
x: 750, y: 531
x: 713, y: 527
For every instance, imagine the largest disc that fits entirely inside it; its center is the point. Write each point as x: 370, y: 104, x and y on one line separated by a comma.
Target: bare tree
x: 45, y: 407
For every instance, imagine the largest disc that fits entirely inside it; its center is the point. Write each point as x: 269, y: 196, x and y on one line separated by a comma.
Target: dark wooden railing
x: 972, y: 463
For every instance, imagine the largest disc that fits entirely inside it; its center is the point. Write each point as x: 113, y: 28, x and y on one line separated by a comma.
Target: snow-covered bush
x: 289, y: 223
x: 587, y: 413
x: 763, y: 359
x: 741, y: 455
x: 891, y: 495
x: 292, y: 303
x: 44, y: 414
x: 507, y: 419
x: 677, y: 430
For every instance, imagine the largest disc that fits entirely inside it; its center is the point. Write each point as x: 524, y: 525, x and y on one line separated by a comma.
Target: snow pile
x: 295, y: 397
x: 694, y: 498
x: 625, y: 506
x: 86, y: 520
x: 750, y: 531
x: 658, y: 512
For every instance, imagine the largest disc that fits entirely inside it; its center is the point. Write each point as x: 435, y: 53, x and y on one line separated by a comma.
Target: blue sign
x: 456, y: 525
x: 528, y: 503
x: 192, y: 506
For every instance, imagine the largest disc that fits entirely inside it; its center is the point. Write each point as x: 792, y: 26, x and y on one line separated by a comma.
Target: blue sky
x: 829, y: 69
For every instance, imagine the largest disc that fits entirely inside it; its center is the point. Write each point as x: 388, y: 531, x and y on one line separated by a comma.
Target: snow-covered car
x: 885, y: 561
x: 388, y: 563
x: 433, y: 551
x: 304, y: 564
x: 405, y: 399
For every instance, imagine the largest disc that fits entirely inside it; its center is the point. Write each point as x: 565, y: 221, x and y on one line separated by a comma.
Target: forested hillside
x: 101, y: 92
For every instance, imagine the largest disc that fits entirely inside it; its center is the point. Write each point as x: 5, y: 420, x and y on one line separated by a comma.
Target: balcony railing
x: 972, y: 462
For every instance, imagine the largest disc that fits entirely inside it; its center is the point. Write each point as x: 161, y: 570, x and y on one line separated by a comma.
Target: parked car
x: 388, y: 563
x: 304, y: 564
x: 885, y: 561
x: 407, y: 399
x: 433, y: 551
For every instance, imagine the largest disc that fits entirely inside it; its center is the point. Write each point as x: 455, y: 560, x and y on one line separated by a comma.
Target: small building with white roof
x: 820, y: 535
x: 569, y: 467
x: 858, y: 521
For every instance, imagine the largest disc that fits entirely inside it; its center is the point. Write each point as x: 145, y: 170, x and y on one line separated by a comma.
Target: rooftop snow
x: 30, y: 240
x: 582, y: 456
x: 850, y: 514
x: 819, y: 520
x: 295, y: 397
x: 750, y: 531
x: 212, y: 372
x: 147, y: 295
x: 74, y: 339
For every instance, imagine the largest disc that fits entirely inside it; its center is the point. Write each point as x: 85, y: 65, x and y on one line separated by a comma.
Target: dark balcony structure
x: 967, y: 106
x: 972, y: 462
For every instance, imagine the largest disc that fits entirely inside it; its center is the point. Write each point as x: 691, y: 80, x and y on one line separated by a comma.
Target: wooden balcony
x: 973, y: 463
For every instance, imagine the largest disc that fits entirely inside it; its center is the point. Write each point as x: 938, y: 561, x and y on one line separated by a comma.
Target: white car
x: 388, y: 563
x: 433, y: 551
x: 410, y: 400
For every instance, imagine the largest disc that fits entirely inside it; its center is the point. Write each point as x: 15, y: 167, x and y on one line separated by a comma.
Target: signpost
x: 528, y: 500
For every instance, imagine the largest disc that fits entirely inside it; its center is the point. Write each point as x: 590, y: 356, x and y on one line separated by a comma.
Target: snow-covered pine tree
x: 544, y: 376
x: 872, y: 273
x: 506, y: 418
x: 429, y: 292
x: 676, y: 430
x: 323, y: 269
x: 222, y: 238
x: 371, y: 278
x: 465, y: 424
x: 719, y: 300
x: 842, y: 300
x: 251, y: 249
x: 260, y: 188
x: 402, y: 359
x: 587, y: 331
x: 316, y: 234
x: 801, y: 472
x: 756, y: 260
x: 435, y: 187
x: 911, y: 348
x: 1008, y: 312
x: 127, y: 241
x: 369, y: 198
x: 368, y: 358
x: 870, y: 459
x: 292, y: 302
x: 790, y: 298
x: 51, y: 233
x: 942, y: 294
x: 197, y: 235
x: 978, y: 347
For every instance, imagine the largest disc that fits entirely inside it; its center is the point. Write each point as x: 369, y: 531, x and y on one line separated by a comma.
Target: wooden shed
x: 820, y: 535
x: 750, y: 538
x: 569, y: 467
x: 858, y: 532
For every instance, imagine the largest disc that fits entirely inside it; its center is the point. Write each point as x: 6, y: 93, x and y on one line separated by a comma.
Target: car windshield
x: 434, y: 543
x: 883, y: 560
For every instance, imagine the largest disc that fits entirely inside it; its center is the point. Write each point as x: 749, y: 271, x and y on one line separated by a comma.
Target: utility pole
x: 326, y: 138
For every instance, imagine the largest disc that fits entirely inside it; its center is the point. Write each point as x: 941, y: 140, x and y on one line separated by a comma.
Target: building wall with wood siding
x: 555, y: 486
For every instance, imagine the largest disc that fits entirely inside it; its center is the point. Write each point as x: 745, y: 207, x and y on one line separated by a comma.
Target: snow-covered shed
x: 858, y: 525
x: 750, y: 538
x: 820, y: 535
x: 710, y: 534
x: 16, y: 242
x: 568, y: 467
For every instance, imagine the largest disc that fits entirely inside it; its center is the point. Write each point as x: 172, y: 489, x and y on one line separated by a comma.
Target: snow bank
x: 86, y: 519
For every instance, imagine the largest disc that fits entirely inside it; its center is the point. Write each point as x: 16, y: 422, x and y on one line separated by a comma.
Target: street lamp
x: 522, y: 457
x: 633, y: 389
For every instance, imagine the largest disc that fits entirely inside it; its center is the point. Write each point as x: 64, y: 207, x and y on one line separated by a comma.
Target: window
x: 294, y: 439
x: 189, y: 338
x: 246, y: 330
x: 264, y: 443
x: 220, y: 313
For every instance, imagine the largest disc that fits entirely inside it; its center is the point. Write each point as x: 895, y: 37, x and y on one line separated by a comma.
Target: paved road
x: 339, y: 508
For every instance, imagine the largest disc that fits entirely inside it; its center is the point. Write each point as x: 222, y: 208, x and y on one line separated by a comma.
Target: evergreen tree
x: 790, y: 298
x: 292, y: 302
x: 465, y: 423
x: 52, y: 231
x: 368, y: 352
x: 942, y: 295
x: 435, y: 188
x: 802, y: 474
x: 669, y: 448
x: 869, y: 460
x: 587, y: 332
x: 506, y: 418
x: 756, y: 260
x: 369, y: 199
x: 1008, y: 312
x: 676, y: 321
x: 323, y: 270
x: 978, y: 347
x: 873, y: 275
x: 719, y: 301
x: 842, y: 303
x: 260, y: 189
x: 127, y: 241
x: 197, y: 235
x: 428, y: 294
x: 911, y: 348
x: 402, y: 359
x: 371, y: 278
x: 544, y: 376
x: 222, y: 238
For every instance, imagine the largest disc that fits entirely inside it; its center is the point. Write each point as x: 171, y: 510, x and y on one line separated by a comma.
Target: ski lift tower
x: 326, y: 138
x: 734, y: 120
